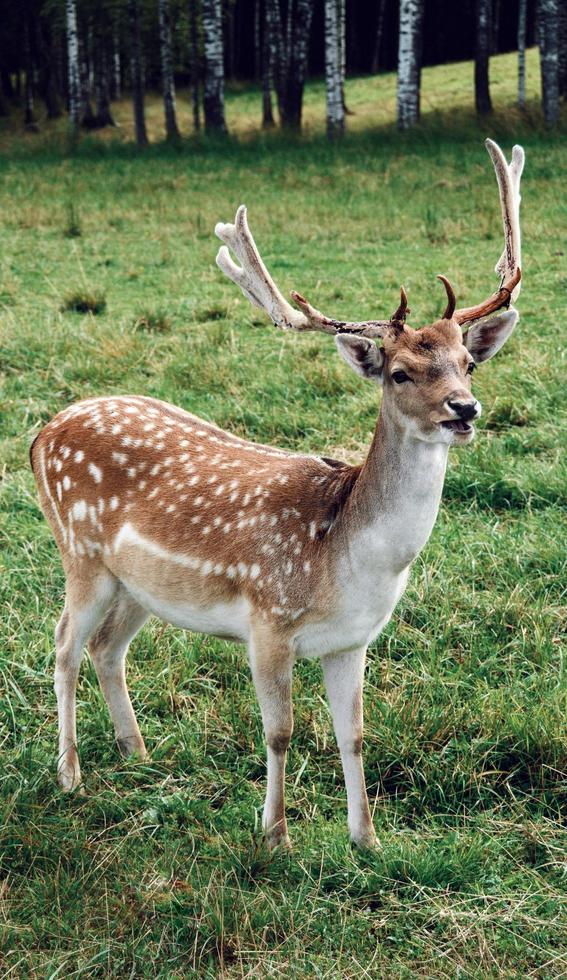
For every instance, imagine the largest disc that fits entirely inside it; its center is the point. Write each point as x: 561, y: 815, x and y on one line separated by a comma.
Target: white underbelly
x: 227, y: 619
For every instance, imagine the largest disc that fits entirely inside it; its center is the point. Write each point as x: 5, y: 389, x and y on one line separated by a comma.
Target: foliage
x: 158, y: 869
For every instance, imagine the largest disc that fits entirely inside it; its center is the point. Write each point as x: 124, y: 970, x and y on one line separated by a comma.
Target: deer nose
x: 465, y: 410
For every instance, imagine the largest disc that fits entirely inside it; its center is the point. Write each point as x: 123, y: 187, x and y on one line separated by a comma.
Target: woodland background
x: 77, y: 55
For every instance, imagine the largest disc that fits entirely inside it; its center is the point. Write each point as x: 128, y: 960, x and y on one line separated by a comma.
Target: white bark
x: 73, y: 64
x: 172, y: 132
x: 409, y: 62
x: 549, y: 59
x: 214, y: 66
x: 333, y: 69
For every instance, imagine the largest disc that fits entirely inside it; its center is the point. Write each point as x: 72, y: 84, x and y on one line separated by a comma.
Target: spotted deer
x: 157, y: 512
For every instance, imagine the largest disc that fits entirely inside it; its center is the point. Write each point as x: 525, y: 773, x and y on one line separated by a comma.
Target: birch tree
x: 289, y: 50
x: 213, y: 99
x: 548, y: 11
x: 267, y: 72
x: 409, y: 62
x: 482, y: 56
x: 333, y: 69
x: 195, y: 65
x: 136, y: 73
x: 168, y: 86
x: 73, y: 65
x: 522, y: 17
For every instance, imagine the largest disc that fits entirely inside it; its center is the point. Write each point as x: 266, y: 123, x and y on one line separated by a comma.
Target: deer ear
x: 485, y: 338
x: 362, y: 355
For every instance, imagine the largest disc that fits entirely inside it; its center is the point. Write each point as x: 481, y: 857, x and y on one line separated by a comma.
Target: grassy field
x: 158, y: 869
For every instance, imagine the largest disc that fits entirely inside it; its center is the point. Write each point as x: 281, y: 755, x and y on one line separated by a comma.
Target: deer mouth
x: 458, y: 425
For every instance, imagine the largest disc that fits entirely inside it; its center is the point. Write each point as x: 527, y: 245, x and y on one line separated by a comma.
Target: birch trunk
x: 168, y: 86
x: 409, y: 62
x: 562, y: 39
x: 88, y: 120
x: 333, y: 69
x: 482, y: 56
x: 195, y: 67
x: 549, y: 59
x: 267, y: 74
x: 214, y: 67
x: 116, y: 65
x: 291, y: 52
x: 522, y: 54
x: 136, y: 74
x: 73, y: 65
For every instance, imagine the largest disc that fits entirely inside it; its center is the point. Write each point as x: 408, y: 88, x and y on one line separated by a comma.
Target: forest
x: 78, y: 56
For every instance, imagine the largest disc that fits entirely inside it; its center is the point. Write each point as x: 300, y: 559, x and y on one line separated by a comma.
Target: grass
x: 158, y: 869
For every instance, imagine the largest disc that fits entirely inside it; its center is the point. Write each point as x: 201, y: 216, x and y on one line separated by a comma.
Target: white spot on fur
x: 79, y: 510
x: 79, y: 456
x: 95, y: 472
x: 113, y: 503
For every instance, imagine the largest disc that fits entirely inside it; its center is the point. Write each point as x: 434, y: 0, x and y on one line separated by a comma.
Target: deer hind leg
x: 272, y: 665
x: 344, y: 674
x: 108, y: 648
x: 89, y: 596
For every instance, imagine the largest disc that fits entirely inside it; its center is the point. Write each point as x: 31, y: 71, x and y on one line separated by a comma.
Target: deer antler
x: 508, y: 265
x: 259, y: 287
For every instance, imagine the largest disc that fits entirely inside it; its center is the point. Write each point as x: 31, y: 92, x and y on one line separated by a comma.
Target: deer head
x: 425, y: 372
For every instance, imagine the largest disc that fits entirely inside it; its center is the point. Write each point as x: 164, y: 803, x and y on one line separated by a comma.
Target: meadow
x: 158, y: 869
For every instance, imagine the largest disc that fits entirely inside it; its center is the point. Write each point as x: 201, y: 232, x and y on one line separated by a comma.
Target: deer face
x: 426, y: 374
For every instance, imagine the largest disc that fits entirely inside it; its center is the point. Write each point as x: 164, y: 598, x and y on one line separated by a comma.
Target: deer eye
x: 399, y: 377
x: 470, y: 367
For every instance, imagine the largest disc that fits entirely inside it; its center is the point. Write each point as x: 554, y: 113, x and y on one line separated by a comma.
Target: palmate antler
x: 259, y: 287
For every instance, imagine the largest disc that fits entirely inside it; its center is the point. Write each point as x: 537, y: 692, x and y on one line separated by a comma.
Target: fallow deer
x: 157, y: 512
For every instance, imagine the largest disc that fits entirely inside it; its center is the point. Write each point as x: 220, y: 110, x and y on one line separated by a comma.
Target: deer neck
x: 395, y: 500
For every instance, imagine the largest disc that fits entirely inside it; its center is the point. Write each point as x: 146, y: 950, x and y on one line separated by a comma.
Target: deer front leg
x: 344, y: 674
x: 272, y: 666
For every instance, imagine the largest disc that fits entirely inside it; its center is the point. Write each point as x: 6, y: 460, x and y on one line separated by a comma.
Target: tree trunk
x: 379, y: 34
x: 522, y: 54
x: 257, y: 41
x: 482, y: 56
x: 549, y: 59
x: 195, y: 72
x: 102, y: 92
x: 289, y: 57
x: 29, y: 118
x: 267, y: 80
x: 73, y: 65
x: 88, y: 118
x: 213, y: 99
x: 116, y: 77
x: 563, y: 51
x: 409, y: 62
x: 168, y: 86
x: 136, y: 75
x: 333, y: 70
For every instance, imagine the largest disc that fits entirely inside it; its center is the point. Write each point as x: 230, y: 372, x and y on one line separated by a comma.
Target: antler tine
x: 260, y: 289
x: 451, y: 301
x: 402, y: 311
x: 509, y: 264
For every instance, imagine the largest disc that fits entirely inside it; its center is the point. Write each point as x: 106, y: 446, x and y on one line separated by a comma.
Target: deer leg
x: 86, y: 603
x: 344, y: 673
x: 272, y: 671
x: 108, y: 648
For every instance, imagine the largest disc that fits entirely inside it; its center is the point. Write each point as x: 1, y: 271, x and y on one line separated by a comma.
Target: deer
x: 156, y: 512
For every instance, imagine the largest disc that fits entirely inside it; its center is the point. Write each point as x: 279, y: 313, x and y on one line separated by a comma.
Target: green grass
x: 158, y: 870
